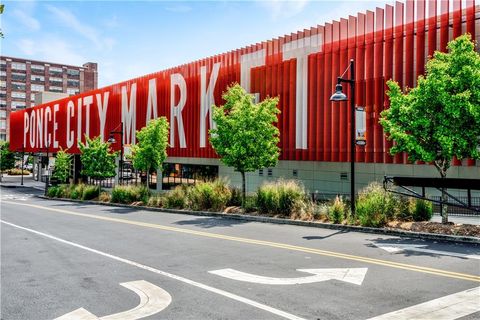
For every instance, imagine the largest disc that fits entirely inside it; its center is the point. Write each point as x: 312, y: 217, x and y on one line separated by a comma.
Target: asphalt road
x: 57, y: 257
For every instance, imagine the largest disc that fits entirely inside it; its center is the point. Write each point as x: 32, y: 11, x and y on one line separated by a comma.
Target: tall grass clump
x: 90, y: 192
x: 282, y: 197
x: 209, y: 195
x: 156, y: 201
x: 76, y: 191
x: 130, y: 194
x: 375, y: 206
x: 336, y: 212
x: 423, y: 210
x: 176, y: 198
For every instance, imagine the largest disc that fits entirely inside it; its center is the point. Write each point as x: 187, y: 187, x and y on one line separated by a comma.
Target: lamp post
x: 111, y: 139
x: 340, y: 96
x: 47, y: 176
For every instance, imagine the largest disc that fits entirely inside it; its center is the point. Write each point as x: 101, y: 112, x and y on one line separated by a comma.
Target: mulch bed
x: 437, y: 227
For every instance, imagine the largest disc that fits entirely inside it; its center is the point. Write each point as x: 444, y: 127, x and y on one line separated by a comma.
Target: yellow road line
x: 386, y: 263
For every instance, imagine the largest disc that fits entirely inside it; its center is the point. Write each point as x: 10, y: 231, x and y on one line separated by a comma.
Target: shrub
x: 76, y: 191
x: 155, y: 201
x: 236, y: 198
x: 405, y: 207
x: 210, y: 195
x: 176, y: 198
x: 65, y: 191
x: 130, y: 194
x: 423, y: 210
x: 90, y: 192
x: 375, y: 206
x: 104, y: 197
x: 320, y: 211
x: 250, y: 204
x: 52, y: 192
x: 336, y: 212
x: 281, y: 197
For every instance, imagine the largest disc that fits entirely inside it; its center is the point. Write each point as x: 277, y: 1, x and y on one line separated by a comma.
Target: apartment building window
x: 3, y: 104
x: 18, y: 105
x: 3, y: 94
x: 19, y: 95
x: 3, y: 65
x: 3, y: 124
x: 37, y: 78
x: 54, y: 71
x: 3, y: 84
x: 19, y: 77
x: 18, y: 86
x: 55, y: 89
x: 56, y: 81
x: 3, y: 74
x: 37, y: 68
x: 38, y: 87
x: 3, y: 136
x: 72, y: 92
x: 19, y: 66
x: 73, y: 83
x: 73, y: 73
x: 3, y: 113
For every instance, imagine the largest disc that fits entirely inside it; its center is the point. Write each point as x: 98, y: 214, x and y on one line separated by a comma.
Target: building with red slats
x: 301, y: 69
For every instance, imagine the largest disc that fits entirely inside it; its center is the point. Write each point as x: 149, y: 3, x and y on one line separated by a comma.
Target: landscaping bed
x: 286, y: 200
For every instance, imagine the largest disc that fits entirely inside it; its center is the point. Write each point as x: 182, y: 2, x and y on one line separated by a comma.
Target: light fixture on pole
x: 111, y: 139
x: 340, y: 96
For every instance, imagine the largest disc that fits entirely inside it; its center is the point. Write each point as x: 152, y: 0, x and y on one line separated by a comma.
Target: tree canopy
x: 7, y: 158
x: 151, y: 148
x: 98, y: 162
x: 440, y: 117
x: 63, y: 162
x: 245, y: 137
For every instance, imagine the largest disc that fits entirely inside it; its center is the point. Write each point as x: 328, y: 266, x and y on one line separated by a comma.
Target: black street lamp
x: 111, y: 139
x: 340, y: 96
x: 47, y: 176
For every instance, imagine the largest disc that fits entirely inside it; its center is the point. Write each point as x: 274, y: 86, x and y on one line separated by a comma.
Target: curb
x: 390, y: 232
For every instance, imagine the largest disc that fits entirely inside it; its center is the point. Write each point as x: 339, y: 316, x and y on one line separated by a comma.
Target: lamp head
x: 338, y: 95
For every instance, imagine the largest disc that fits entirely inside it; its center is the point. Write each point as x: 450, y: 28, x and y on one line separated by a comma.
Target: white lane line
x: 352, y: 275
x: 227, y: 294
x: 450, y: 307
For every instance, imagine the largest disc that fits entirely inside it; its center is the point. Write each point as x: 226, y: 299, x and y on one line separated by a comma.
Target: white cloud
x: 283, y: 9
x: 26, y: 19
x: 50, y: 48
x: 88, y: 32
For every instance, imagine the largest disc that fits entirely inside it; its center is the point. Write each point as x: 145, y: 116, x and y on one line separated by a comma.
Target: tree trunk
x: 243, y: 189
x: 443, y: 206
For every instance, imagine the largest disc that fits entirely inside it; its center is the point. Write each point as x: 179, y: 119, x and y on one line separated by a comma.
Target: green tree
x: 151, y: 148
x: 98, y: 161
x: 2, y: 7
x: 63, y: 163
x: 245, y: 136
x: 440, y: 118
x: 7, y: 158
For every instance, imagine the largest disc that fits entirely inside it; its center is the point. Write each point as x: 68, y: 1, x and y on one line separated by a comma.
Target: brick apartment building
x: 21, y: 78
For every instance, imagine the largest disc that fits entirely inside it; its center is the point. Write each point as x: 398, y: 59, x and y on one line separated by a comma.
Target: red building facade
x: 301, y: 69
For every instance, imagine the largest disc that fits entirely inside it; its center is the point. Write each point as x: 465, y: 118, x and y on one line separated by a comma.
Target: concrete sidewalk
x: 15, y: 182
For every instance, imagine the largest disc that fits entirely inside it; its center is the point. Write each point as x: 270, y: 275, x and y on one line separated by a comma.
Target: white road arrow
x: 352, y: 275
x: 152, y: 300
x: 396, y: 248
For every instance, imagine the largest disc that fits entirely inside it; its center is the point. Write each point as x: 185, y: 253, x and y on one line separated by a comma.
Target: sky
x: 133, y: 38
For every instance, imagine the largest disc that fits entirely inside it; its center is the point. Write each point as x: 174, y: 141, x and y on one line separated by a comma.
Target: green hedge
x: 210, y: 195
x: 282, y: 197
